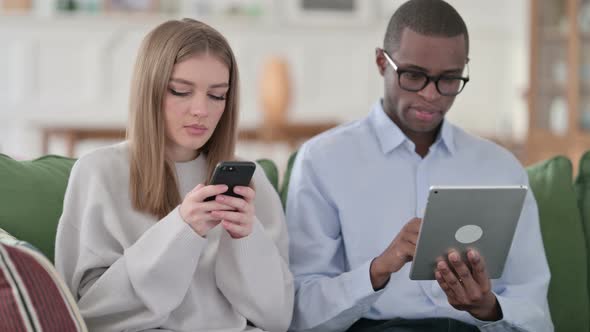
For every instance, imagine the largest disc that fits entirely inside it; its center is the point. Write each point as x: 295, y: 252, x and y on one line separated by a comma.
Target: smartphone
x: 232, y: 173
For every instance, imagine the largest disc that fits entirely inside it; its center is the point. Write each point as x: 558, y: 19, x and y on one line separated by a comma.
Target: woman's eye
x: 219, y: 98
x: 178, y: 93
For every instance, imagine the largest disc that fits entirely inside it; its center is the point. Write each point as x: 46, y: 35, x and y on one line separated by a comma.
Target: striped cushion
x: 32, y: 296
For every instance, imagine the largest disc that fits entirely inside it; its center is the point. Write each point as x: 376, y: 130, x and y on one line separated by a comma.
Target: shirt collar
x: 447, y: 137
x: 390, y: 136
x: 388, y: 133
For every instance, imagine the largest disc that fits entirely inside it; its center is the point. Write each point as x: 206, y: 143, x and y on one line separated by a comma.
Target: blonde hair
x: 153, y: 183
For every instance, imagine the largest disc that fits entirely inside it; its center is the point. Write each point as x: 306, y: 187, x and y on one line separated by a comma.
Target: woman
x: 137, y: 244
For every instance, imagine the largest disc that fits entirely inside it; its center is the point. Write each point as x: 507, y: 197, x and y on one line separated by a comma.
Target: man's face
x: 422, y: 111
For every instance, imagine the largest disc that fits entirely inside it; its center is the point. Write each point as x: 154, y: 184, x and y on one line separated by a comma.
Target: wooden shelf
x: 552, y: 91
x: 541, y: 142
x: 552, y: 35
x: 585, y: 89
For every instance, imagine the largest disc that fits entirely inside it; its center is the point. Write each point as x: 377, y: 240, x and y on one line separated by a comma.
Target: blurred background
x: 306, y: 66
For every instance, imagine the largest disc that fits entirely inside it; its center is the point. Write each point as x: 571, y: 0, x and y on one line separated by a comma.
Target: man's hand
x: 468, y: 289
x: 400, y: 251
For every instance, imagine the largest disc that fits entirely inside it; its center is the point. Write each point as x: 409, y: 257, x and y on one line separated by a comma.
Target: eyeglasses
x: 414, y: 81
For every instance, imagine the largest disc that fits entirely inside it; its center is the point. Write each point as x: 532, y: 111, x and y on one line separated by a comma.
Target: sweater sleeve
x: 253, y: 272
x: 120, y: 286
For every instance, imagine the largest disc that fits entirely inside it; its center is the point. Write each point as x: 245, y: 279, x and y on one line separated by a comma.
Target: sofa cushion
x: 583, y: 191
x: 565, y: 246
x: 31, y: 198
x: 32, y: 295
x: 271, y: 171
x: 286, y: 179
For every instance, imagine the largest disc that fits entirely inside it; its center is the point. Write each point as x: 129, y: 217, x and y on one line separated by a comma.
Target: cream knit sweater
x: 131, y: 272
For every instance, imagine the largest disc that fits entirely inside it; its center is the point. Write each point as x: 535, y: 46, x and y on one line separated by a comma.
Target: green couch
x: 31, y: 197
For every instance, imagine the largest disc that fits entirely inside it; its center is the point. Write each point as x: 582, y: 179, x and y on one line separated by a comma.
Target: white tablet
x: 460, y: 218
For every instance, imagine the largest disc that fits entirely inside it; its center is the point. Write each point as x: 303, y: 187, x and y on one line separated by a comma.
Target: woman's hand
x: 198, y: 213
x: 239, y: 222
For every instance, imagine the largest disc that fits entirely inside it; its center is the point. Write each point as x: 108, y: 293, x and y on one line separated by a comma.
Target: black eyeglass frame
x: 429, y: 78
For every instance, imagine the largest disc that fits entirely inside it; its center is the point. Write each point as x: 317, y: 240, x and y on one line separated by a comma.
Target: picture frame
x: 131, y: 6
x: 228, y: 8
x: 329, y: 12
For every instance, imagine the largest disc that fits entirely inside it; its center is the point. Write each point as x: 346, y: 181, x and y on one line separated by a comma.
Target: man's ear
x: 380, y: 61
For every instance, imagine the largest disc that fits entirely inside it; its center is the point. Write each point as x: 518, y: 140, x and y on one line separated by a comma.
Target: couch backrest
x: 31, y: 198
x: 271, y: 171
x: 565, y: 243
x: 286, y: 179
x: 583, y: 192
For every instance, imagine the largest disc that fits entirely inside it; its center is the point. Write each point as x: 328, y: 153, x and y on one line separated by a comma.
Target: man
x: 357, y: 194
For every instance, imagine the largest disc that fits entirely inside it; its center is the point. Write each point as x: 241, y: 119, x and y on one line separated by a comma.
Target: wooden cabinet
x: 559, y: 95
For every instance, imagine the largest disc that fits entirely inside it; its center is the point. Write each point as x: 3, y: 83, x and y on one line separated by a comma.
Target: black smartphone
x: 232, y: 173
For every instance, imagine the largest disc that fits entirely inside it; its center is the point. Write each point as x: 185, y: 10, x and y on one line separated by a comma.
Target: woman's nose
x: 198, y: 106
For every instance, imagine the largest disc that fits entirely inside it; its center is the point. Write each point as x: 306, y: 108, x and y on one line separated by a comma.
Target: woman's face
x: 193, y: 104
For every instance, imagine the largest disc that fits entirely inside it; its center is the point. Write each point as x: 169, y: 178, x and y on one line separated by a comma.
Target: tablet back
x: 483, y: 218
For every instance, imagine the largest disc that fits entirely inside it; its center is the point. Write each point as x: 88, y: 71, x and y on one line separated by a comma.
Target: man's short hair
x: 427, y: 17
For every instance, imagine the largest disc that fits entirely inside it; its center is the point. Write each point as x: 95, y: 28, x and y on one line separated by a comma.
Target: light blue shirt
x: 351, y: 191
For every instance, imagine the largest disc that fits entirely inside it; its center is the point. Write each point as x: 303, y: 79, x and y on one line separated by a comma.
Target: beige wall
x: 76, y: 70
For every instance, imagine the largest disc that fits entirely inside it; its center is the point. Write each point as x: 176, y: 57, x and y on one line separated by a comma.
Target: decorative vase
x: 17, y: 5
x: 275, y: 93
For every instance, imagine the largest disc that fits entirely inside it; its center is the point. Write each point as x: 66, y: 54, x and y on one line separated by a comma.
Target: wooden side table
x: 290, y: 133
x: 74, y: 135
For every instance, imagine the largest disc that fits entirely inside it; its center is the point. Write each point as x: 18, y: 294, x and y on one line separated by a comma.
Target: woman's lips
x: 196, y: 129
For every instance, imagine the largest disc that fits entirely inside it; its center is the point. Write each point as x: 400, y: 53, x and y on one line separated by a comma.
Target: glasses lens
x: 450, y: 86
x: 412, y: 80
